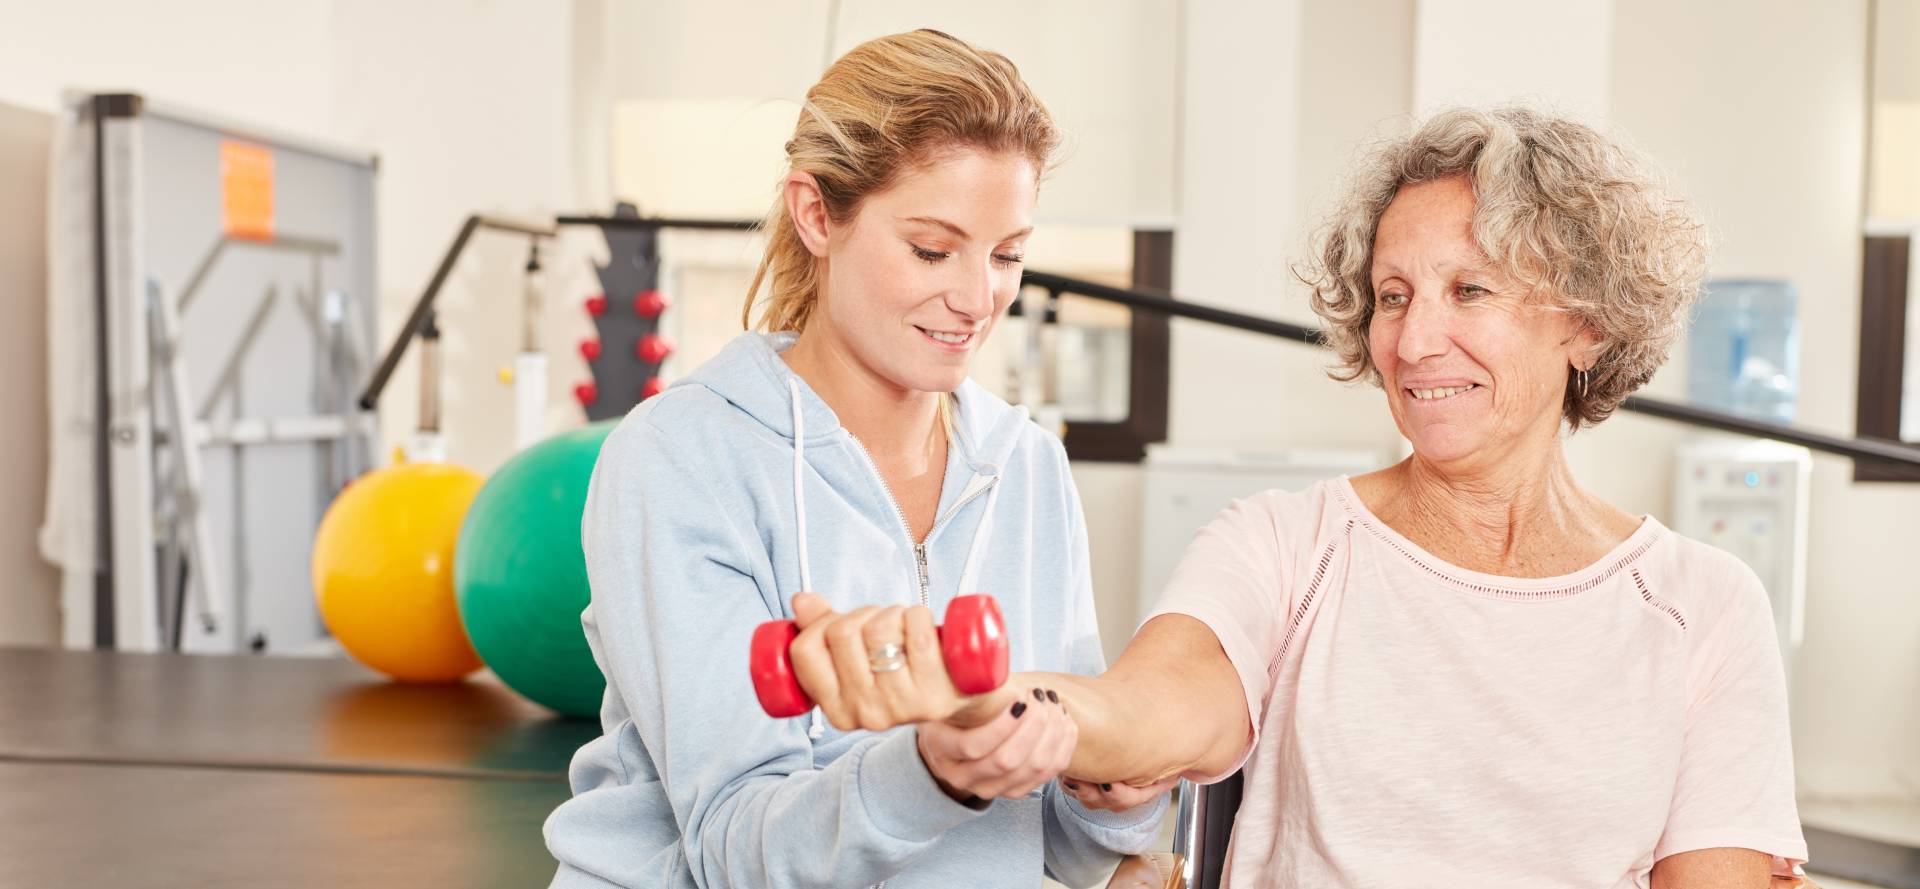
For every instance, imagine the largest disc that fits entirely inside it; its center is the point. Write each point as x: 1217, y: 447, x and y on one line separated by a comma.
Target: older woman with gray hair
x: 1465, y: 669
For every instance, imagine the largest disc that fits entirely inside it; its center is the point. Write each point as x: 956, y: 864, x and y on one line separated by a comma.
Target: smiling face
x: 916, y: 279
x: 1474, y: 367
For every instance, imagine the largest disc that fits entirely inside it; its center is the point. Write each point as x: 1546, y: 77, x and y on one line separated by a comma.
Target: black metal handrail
x: 418, y: 319
x: 655, y: 222
x: 1148, y: 301
x: 1132, y: 298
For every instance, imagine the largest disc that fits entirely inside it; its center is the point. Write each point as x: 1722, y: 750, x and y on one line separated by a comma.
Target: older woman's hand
x: 834, y: 658
x: 1117, y: 797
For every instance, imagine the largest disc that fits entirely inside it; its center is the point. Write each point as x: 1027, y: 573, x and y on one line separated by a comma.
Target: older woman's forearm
x: 1135, y: 731
x: 1722, y: 868
x: 1172, y: 704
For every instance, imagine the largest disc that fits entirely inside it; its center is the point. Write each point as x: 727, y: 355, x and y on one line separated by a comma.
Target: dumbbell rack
x: 628, y: 349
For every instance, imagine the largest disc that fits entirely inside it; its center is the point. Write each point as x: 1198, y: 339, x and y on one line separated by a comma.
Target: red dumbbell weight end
x: 653, y: 348
x: 650, y: 303
x: 973, y: 643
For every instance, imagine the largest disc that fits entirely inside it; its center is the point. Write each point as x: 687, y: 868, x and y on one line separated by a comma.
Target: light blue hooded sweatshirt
x: 711, y: 505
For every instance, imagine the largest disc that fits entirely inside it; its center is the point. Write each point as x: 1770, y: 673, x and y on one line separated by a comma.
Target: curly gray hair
x: 1574, y: 215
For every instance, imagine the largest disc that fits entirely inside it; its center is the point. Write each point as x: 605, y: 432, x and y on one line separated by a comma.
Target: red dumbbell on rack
x: 973, y: 644
x: 653, y: 348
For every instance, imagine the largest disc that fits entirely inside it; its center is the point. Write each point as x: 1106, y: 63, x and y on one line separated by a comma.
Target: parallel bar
x: 1855, y: 448
x: 657, y: 223
x: 1156, y: 302
x: 370, y: 398
x: 513, y: 225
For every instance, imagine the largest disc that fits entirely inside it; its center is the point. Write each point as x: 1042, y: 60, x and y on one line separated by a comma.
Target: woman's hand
x: 1026, y: 745
x: 838, y: 659
x: 1117, y: 797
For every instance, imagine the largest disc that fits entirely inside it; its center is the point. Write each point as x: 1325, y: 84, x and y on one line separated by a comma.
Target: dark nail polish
x: 1106, y: 788
x: 1040, y: 696
x: 1052, y: 697
x: 1019, y: 707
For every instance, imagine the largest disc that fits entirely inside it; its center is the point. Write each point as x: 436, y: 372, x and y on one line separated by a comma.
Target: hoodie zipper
x: 922, y: 573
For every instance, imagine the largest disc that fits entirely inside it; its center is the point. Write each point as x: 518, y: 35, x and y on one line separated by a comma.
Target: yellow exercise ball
x: 383, y: 571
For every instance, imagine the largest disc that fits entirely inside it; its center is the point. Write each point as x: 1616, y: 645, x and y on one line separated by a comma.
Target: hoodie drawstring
x: 799, y: 487
x: 815, y: 730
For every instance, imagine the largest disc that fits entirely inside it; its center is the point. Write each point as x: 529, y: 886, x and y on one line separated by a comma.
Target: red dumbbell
x: 650, y: 303
x: 590, y: 349
x: 653, y: 348
x: 973, y: 643
x: 652, y: 387
x: 586, y: 393
x: 597, y: 305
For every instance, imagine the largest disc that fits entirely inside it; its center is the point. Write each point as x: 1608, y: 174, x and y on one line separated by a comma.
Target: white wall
x: 734, y: 96
x: 1472, y: 52
x: 29, y: 602
x: 1759, y: 109
x: 1272, y: 113
x: 1106, y: 69
x: 470, y: 105
x: 221, y: 55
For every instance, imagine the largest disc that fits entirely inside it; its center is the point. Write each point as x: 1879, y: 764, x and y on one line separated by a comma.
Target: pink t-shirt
x: 1418, y: 724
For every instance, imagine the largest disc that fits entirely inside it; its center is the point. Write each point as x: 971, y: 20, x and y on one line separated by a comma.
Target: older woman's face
x: 1472, y: 365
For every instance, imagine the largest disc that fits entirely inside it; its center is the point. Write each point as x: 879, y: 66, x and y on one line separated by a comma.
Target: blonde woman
x: 1466, y: 669
x: 844, y: 452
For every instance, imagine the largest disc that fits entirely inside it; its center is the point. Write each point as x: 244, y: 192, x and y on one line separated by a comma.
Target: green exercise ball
x: 520, y: 577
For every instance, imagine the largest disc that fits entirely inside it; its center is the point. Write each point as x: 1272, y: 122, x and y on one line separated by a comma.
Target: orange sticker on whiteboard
x: 246, y: 190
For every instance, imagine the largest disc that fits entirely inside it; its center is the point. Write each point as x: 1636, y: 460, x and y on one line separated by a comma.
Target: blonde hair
x: 887, y: 105
x: 1560, y: 207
